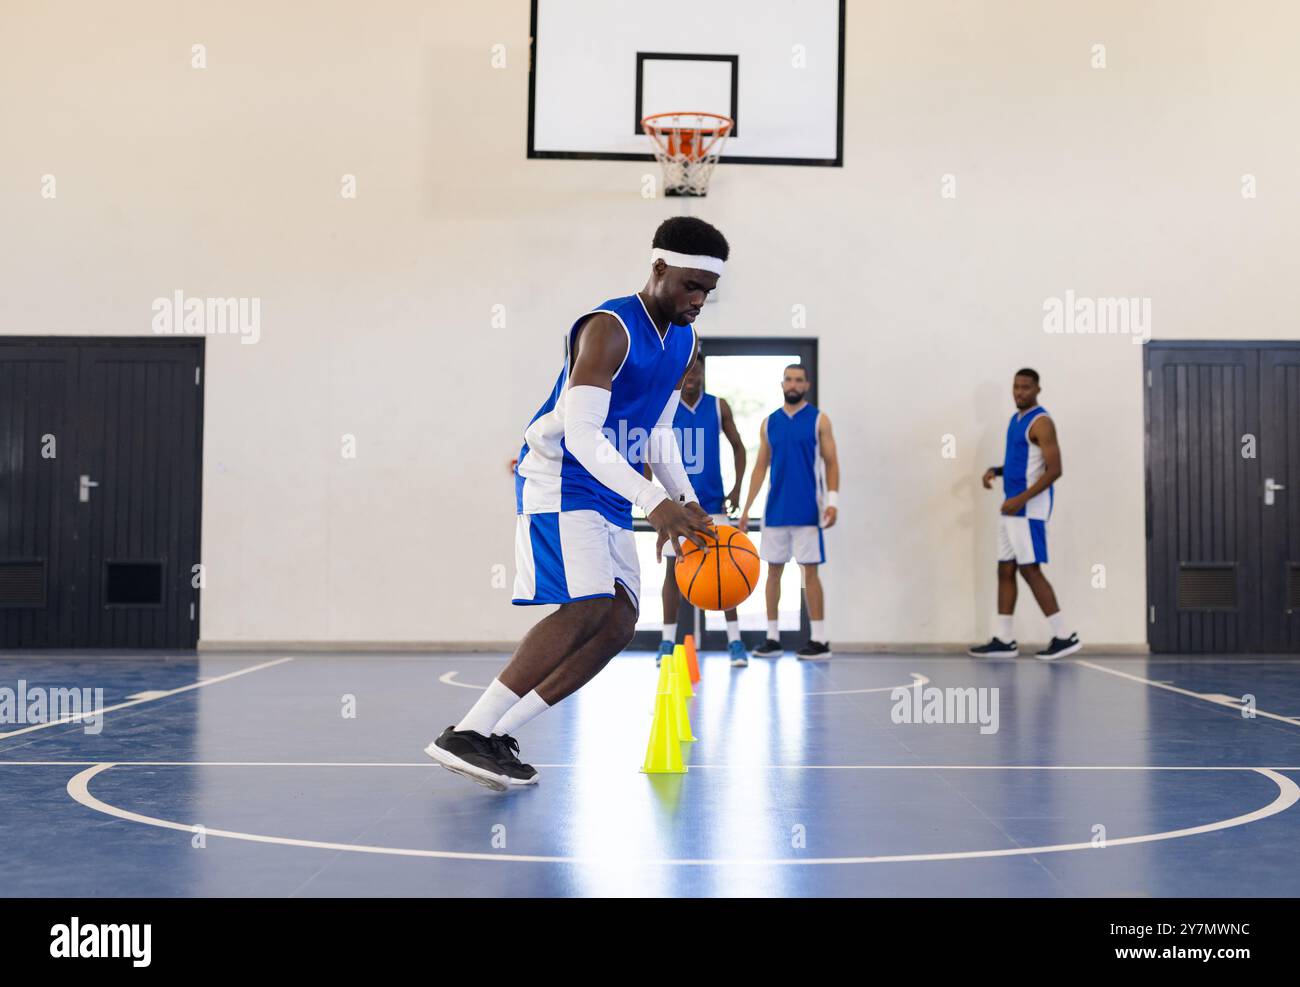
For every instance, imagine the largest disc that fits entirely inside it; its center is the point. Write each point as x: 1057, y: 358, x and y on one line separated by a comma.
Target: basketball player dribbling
x: 574, y: 488
x: 701, y: 418
x: 1029, y: 469
x: 796, y: 440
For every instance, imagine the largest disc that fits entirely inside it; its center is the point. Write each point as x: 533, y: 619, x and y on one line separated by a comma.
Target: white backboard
x: 776, y: 66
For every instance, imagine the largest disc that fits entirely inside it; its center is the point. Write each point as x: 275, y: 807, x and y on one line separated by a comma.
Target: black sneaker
x: 1060, y: 647
x: 769, y: 649
x: 469, y: 753
x: 996, y: 648
x: 814, y: 651
x: 508, y: 759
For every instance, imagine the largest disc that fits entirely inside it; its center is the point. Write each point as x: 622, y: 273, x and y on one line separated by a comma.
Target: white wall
x: 376, y: 312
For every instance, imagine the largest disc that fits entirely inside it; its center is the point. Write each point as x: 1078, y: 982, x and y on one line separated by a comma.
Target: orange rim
x: 678, y: 140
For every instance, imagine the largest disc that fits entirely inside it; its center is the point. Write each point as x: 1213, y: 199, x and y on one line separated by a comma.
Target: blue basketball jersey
x: 547, y: 477
x: 1023, y: 465
x: 697, y: 431
x: 795, y: 485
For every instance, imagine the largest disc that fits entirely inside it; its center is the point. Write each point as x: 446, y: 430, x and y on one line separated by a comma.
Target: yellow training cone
x: 682, y: 671
x: 664, y: 753
x: 665, y: 683
x: 680, y: 712
x: 665, y: 669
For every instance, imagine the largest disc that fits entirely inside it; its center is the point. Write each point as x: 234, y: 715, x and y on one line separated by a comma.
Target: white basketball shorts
x: 1022, y: 540
x: 803, y: 543
x: 566, y: 556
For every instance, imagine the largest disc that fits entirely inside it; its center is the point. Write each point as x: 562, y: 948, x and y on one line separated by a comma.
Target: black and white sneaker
x: 996, y: 648
x: 769, y: 649
x: 469, y: 753
x: 1060, y: 647
x: 814, y: 651
x: 508, y: 758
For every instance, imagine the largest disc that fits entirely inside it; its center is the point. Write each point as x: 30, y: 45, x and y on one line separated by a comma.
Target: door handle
x: 83, y: 488
x: 1269, y: 487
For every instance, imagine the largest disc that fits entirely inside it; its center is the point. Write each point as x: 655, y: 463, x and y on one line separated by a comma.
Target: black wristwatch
x: 997, y: 470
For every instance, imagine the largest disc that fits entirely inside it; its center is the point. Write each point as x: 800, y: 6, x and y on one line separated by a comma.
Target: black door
x: 1279, y: 392
x: 100, y: 470
x: 38, y: 401
x: 1220, y: 550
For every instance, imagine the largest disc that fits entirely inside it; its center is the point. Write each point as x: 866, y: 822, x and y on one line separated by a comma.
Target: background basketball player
x: 795, y: 439
x: 700, y: 418
x: 1031, y: 466
x: 622, y: 377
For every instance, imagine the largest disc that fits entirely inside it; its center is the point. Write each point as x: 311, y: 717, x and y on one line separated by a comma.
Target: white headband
x: 699, y: 262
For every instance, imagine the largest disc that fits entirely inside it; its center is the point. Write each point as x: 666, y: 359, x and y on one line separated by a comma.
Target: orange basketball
x: 721, y: 576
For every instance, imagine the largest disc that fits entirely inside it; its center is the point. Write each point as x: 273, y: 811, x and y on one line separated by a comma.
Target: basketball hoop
x: 687, y: 145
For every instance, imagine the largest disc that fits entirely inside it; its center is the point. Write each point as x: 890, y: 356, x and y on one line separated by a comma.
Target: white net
x: 687, y: 146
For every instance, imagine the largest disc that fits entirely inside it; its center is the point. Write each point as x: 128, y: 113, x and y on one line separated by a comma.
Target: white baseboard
x: 388, y: 647
x: 497, y: 647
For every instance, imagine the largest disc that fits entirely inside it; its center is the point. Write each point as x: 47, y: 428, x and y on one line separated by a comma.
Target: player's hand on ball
x: 699, y: 515
x: 743, y: 523
x: 828, y: 519
x: 677, y: 521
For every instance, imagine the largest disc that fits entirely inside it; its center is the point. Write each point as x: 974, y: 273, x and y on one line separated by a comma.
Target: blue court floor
x: 240, y: 775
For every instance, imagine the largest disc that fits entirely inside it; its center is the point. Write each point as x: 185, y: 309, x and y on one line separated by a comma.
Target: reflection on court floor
x: 300, y: 774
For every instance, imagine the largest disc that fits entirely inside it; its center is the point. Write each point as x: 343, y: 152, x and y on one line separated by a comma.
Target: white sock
x: 1058, y: 625
x: 772, y: 631
x: 670, y: 632
x: 530, y: 706
x: 818, y: 631
x: 490, y: 708
x: 1004, y: 629
x: 733, y: 631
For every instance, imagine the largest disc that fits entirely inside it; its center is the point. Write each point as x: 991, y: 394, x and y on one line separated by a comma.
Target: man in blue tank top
x: 701, y: 418
x: 578, y: 475
x: 802, y: 500
x: 1029, y: 470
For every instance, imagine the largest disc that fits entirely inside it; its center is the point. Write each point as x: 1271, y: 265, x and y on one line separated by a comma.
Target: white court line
x: 79, y: 789
x: 916, y: 680
x: 1209, y: 697
x: 770, y: 767
x: 148, y: 698
x: 448, y: 678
